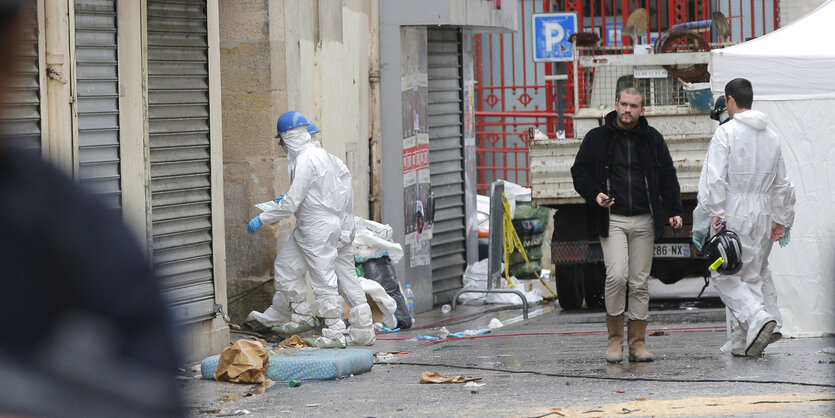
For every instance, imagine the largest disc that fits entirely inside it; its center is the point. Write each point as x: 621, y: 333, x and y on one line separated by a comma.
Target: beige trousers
x: 627, y: 252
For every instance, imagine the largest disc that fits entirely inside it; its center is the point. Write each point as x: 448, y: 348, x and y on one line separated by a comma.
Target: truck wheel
x: 570, y: 286
x: 595, y: 285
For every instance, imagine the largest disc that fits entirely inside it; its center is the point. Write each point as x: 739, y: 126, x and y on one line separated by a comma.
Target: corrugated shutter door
x: 97, y: 85
x: 21, y: 114
x: 178, y: 80
x: 446, y: 163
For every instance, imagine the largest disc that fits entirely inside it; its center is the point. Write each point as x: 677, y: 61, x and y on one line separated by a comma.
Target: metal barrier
x: 495, y: 252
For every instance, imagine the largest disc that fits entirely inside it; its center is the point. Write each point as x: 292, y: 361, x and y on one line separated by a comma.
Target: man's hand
x: 777, y: 231
x: 718, y: 223
x: 605, y: 201
x: 676, y: 222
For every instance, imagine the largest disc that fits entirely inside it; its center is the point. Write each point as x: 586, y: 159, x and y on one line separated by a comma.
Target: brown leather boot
x: 614, y: 354
x: 636, y: 333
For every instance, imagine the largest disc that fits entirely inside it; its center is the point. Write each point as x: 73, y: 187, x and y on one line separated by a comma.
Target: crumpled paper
x: 435, y: 377
x: 245, y: 361
x: 294, y: 341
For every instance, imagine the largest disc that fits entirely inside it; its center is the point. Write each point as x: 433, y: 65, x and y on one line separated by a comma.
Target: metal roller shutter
x: 178, y: 81
x: 97, y: 86
x: 446, y: 163
x: 21, y: 114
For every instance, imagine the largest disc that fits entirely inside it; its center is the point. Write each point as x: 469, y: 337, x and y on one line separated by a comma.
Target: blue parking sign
x: 550, y: 34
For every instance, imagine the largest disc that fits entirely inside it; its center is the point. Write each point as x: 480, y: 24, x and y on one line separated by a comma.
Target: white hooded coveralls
x: 361, y: 330
x: 744, y: 181
x: 315, y: 197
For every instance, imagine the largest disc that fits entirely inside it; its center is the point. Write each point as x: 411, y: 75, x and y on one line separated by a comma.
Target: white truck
x: 577, y: 257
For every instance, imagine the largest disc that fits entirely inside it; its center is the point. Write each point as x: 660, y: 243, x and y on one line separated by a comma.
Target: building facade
x: 124, y: 96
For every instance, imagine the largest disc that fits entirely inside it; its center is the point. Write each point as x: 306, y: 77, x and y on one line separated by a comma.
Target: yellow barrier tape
x: 719, y: 261
x: 512, y: 242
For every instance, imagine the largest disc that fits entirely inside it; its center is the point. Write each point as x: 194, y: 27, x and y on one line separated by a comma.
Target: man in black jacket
x: 624, y: 171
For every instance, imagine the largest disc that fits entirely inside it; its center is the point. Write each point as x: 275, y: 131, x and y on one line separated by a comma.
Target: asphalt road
x: 552, y: 365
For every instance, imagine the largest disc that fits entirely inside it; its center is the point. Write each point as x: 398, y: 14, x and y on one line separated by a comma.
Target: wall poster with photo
x: 417, y: 188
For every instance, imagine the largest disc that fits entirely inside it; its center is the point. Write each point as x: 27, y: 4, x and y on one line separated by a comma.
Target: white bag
x: 384, y: 302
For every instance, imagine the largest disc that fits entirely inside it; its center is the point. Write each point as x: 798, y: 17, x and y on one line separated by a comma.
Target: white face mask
x: 294, y: 141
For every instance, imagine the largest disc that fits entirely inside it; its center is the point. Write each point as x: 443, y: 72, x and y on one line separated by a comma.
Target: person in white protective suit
x: 315, y: 197
x: 744, y: 187
x: 360, y: 329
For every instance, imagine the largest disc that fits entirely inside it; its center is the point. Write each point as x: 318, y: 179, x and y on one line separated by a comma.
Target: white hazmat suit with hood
x: 315, y: 197
x: 744, y: 181
x: 360, y: 329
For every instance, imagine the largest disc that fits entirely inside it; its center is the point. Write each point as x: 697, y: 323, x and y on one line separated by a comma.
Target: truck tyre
x: 570, y: 286
x: 595, y: 285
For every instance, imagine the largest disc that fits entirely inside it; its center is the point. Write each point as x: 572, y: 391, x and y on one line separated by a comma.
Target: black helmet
x: 724, y: 244
x: 719, y: 112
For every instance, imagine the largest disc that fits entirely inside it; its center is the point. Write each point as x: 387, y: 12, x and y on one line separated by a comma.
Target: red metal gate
x: 513, y: 91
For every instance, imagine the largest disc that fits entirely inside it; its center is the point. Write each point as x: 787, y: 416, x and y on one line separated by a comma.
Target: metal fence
x: 513, y: 91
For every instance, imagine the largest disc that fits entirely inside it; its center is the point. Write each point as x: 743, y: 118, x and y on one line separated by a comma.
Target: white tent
x: 793, y: 73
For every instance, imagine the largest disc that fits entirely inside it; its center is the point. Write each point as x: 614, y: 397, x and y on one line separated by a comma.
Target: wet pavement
x: 552, y: 365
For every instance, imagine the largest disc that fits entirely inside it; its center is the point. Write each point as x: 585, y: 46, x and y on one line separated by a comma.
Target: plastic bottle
x: 410, y: 301
x: 446, y: 309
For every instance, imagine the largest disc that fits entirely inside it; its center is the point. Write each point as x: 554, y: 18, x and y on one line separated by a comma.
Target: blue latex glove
x: 786, y: 238
x: 426, y: 337
x: 254, y: 224
x: 278, y: 199
x: 699, y: 240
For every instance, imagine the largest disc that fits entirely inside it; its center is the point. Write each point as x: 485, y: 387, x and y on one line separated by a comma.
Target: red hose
x: 529, y: 334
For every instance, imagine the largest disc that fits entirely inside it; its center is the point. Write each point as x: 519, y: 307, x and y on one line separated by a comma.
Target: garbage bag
x: 534, y: 254
x: 385, y: 303
x: 376, y: 229
x: 534, y: 240
x: 528, y: 227
x: 475, y: 277
x: 367, y: 245
x: 526, y: 211
x: 381, y: 270
x: 523, y: 272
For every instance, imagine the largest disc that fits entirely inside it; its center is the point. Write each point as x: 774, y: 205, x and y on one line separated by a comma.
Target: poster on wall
x: 417, y: 188
x: 469, y: 113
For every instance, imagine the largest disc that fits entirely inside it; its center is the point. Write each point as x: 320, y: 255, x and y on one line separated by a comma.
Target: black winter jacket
x: 591, y: 170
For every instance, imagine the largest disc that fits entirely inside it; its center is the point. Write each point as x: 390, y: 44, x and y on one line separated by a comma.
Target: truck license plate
x: 671, y: 250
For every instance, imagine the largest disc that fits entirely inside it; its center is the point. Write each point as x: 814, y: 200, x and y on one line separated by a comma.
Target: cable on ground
x: 594, y: 377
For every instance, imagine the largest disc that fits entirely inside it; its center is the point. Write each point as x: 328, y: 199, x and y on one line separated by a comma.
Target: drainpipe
x: 58, y: 86
x: 374, y: 163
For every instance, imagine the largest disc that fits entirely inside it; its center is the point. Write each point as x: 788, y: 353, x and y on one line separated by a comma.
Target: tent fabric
x: 792, y: 63
x: 792, y: 72
x: 804, y: 271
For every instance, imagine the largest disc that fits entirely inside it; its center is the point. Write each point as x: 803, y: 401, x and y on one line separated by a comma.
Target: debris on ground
x: 470, y: 333
x: 827, y: 350
x: 495, y: 323
x: 383, y: 356
x: 235, y: 413
x: 426, y: 337
x: 657, y: 333
x: 245, y: 361
x: 261, y: 388
x: 435, y: 377
x: 294, y: 342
